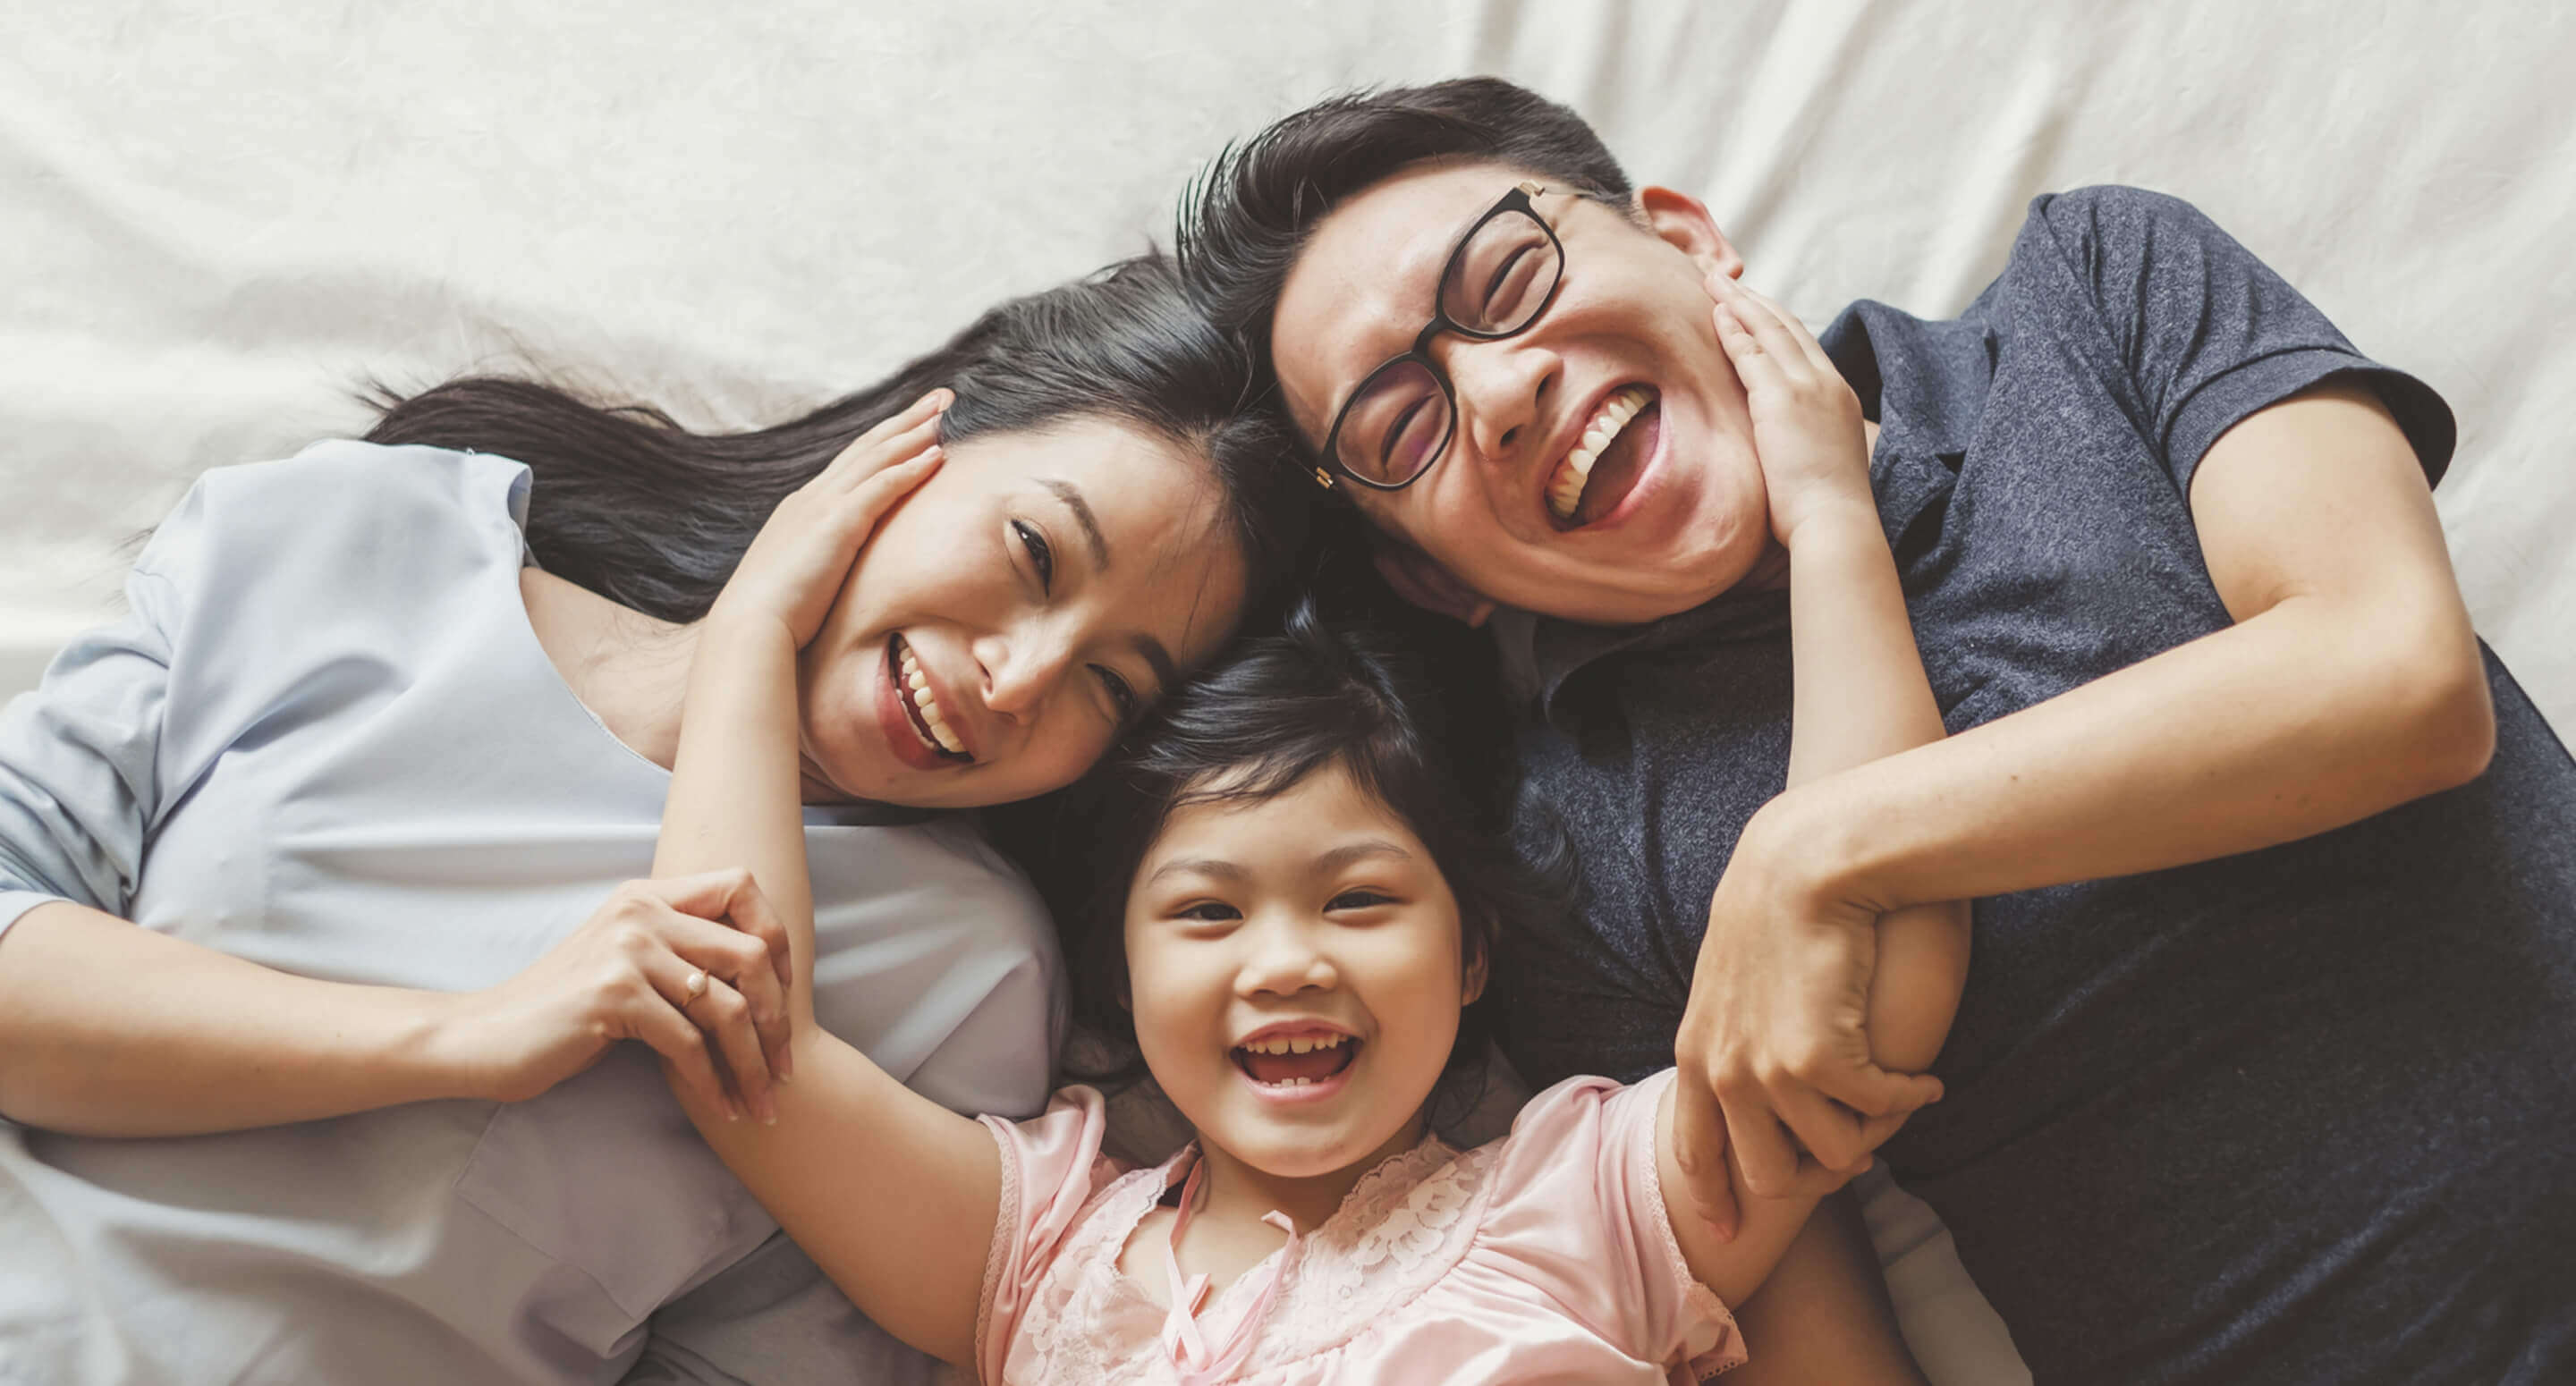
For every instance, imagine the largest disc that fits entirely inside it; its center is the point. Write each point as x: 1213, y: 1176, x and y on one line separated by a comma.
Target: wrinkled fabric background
x: 218, y: 220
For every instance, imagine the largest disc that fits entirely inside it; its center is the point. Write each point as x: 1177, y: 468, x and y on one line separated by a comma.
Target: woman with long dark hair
x: 386, y: 724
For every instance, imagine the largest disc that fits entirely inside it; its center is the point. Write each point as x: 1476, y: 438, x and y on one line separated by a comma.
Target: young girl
x: 1306, y: 915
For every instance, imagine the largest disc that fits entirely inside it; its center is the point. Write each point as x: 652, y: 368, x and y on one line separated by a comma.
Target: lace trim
x: 1400, y: 1229
x: 1062, y: 1333
x: 1727, y: 1353
x: 1006, y: 1222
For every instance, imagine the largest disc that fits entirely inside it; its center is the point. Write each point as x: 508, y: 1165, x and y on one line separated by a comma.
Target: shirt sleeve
x: 1579, y: 1207
x: 80, y: 778
x: 2201, y: 333
x: 1050, y: 1168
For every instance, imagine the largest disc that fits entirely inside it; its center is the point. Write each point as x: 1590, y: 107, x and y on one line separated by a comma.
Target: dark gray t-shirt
x: 2298, y: 1115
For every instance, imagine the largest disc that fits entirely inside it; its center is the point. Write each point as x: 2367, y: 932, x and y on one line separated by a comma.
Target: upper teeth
x: 1301, y: 1045
x: 1565, y: 487
x: 917, y: 685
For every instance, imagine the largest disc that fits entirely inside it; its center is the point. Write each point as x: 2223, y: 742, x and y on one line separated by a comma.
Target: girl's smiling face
x: 1295, y: 967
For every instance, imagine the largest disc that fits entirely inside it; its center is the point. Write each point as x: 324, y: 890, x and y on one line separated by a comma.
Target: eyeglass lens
x: 1400, y: 421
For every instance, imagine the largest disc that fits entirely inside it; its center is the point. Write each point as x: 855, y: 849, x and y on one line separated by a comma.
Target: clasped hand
x: 1778, y: 1094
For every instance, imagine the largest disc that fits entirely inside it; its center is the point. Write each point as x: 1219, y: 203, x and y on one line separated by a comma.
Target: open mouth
x: 920, y: 705
x: 1302, y: 1061
x: 1602, y: 467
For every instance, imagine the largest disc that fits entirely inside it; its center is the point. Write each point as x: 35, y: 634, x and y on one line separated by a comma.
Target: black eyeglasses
x: 1498, y: 280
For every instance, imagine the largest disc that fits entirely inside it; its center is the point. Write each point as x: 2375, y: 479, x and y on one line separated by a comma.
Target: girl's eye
x: 1041, y: 554
x: 1120, y: 694
x: 1210, y: 911
x: 1359, y: 900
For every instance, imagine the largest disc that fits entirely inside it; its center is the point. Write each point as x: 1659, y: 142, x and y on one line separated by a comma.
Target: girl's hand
x: 687, y: 965
x: 797, y: 565
x: 1806, y: 421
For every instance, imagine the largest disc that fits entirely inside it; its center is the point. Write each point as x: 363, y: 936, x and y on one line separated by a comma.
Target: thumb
x: 1699, y: 1147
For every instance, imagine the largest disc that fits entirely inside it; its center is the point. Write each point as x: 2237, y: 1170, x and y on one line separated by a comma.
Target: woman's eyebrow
x: 1071, y: 496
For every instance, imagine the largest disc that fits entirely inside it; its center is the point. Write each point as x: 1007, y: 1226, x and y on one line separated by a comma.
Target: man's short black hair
x: 1250, y: 211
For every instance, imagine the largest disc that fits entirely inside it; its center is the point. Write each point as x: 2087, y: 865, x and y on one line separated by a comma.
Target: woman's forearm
x: 108, y: 1029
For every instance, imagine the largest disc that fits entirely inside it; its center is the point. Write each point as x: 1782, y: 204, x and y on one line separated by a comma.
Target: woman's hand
x: 688, y: 965
x: 797, y: 565
x: 1807, y: 432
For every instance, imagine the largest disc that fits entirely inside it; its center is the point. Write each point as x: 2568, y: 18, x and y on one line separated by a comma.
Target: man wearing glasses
x: 2260, y: 1072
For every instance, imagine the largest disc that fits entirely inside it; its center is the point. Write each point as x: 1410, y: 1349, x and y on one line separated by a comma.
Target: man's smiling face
x: 1672, y: 510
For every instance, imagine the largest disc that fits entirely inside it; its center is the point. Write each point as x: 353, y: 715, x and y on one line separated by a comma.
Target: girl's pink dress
x: 1544, y: 1256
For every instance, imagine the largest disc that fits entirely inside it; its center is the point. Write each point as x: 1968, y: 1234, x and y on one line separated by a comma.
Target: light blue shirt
x: 325, y: 739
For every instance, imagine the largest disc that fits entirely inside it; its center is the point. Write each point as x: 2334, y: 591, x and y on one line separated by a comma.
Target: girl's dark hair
x: 1248, y: 214
x: 1278, y: 709
x: 638, y: 509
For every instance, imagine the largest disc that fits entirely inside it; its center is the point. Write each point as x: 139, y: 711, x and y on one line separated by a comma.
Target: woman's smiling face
x: 1011, y: 616
x: 1316, y: 923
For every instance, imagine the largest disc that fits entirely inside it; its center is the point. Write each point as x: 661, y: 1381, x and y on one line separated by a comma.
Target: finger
x: 1874, y: 1092
x: 872, y: 498
x: 749, y: 910
x: 1832, y: 1134
x: 1762, y: 317
x: 875, y: 451
x: 1761, y: 1146
x: 743, y: 962
x: 672, y: 1035
x: 725, y: 1017
x: 1753, y: 365
x: 706, y: 894
x: 1875, y: 1131
x: 1795, y: 328
x: 1699, y: 1147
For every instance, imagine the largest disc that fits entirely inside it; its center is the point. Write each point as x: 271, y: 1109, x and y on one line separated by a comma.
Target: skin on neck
x: 629, y: 669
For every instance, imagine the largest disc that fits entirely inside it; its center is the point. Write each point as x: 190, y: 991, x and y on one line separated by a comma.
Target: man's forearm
x: 2279, y: 728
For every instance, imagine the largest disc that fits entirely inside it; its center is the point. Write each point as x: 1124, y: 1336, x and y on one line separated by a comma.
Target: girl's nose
x: 1283, y: 960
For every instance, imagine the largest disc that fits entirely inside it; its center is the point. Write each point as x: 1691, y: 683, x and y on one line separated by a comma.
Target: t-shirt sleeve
x: 86, y: 763
x: 1579, y: 1206
x: 1051, y: 1166
x: 80, y: 782
x: 2199, y: 333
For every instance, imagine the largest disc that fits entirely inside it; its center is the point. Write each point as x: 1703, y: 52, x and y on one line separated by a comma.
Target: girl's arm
x: 892, y: 1195
x: 1860, y: 694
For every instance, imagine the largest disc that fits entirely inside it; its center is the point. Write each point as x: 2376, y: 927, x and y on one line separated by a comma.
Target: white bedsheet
x: 217, y: 218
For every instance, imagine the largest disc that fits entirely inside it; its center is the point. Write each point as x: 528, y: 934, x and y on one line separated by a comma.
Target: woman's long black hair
x: 1277, y: 709
x: 649, y: 514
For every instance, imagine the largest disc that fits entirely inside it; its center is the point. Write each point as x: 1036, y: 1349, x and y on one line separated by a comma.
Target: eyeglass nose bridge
x: 1441, y: 321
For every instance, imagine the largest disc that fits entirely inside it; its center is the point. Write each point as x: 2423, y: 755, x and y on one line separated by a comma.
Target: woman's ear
x: 1682, y: 221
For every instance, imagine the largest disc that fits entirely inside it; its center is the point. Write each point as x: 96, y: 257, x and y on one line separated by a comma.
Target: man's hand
x: 1774, y: 1051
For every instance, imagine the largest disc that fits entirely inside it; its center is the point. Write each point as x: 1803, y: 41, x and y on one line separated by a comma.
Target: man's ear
x: 1682, y: 221
x: 1425, y: 581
